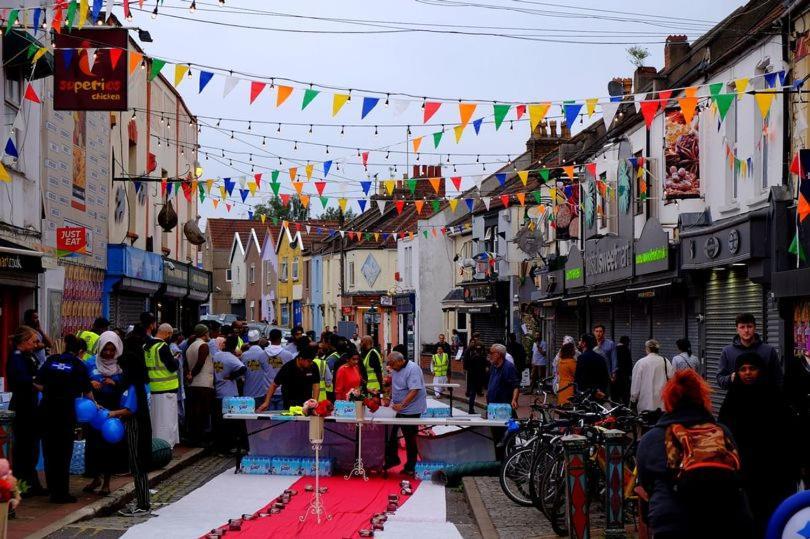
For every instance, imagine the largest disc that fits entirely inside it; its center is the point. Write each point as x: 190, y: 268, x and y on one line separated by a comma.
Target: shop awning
x: 175, y: 291
x: 649, y: 287
x: 128, y: 284
x: 17, y: 44
x: 453, y: 300
x: 477, y: 308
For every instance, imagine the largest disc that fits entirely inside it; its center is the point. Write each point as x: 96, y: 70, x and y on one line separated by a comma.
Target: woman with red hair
x: 687, y: 504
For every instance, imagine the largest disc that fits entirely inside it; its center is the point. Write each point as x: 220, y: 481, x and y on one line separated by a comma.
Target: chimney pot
x: 675, y: 50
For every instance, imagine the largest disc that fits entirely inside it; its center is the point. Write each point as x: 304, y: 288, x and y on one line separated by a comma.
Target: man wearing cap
x: 299, y: 381
x: 162, y: 367
x: 90, y: 336
x: 277, y: 356
x: 257, y: 376
x: 200, y: 379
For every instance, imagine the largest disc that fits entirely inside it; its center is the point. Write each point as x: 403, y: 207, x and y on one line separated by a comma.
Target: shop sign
x: 405, y: 304
x: 724, y: 244
x: 175, y: 273
x: 386, y: 301
x: 479, y: 293
x: 346, y: 310
x: 646, y: 294
x: 11, y: 262
x: 652, y: 249
x: 574, y: 274
x: 71, y: 240
x: 606, y: 299
x: 135, y: 263
x: 31, y: 264
x: 199, y: 280
x: 608, y: 259
x: 77, y: 86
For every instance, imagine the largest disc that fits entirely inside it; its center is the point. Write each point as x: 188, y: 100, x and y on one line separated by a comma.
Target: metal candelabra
x: 316, y: 506
x: 358, y: 469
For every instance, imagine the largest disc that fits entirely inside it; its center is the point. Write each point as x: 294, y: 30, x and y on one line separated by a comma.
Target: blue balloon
x: 101, y: 416
x: 85, y: 410
x: 113, y: 430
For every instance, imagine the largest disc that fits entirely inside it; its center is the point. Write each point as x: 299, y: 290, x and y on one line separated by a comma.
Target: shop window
x: 228, y: 275
x: 295, y: 268
x: 732, y: 173
x: 350, y: 276
x: 285, y: 314
x: 603, y: 202
x: 408, y: 266
x: 267, y: 268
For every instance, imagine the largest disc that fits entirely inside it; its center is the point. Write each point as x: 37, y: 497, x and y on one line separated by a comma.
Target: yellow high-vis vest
x: 161, y: 379
x: 373, y: 382
x: 321, y: 364
x: 440, y: 364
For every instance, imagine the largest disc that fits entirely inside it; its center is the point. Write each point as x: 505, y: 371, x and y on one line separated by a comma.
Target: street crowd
x: 165, y: 385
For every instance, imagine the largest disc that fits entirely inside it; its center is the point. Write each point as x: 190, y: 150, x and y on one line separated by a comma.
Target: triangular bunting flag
x: 67, y: 57
x: 282, y: 93
x: 770, y: 79
x: 609, y: 110
x: 205, y: 78
x: 366, y: 185
x: 458, y: 131
x: 499, y: 112
x: 501, y: 176
x: 764, y: 100
x: 417, y: 142
x: 714, y: 89
x: 796, y: 248
x: 308, y: 171
x: 520, y: 110
x: 244, y: 194
x: 180, y: 71
x: 389, y: 186
x: 229, y: 185
x: 327, y: 166
x: 90, y: 58
x: 782, y: 76
x: 590, y: 106
x: 524, y: 176
x: 456, y: 182
x: 418, y: 204
x: 591, y: 169
x: 465, y: 112
x: 663, y: 97
x: 740, y: 85
x: 319, y: 187
x: 157, y: 65
x: 436, y: 183
x: 324, y: 201
x: 293, y: 171
x: 115, y: 57
x: 361, y: 203
x: 437, y: 138
x: 723, y: 102
x: 11, y: 149
x: 470, y: 203
x: 537, y: 112
x: 309, y: 95
x: 368, y: 105
x: 135, y: 59
x: 258, y: 179
x: 299, y: 186
x: 364, y: 158
x: 648, y: 110
x: 399, y: 204
x: 5, y: 177
x: 477, y: 125
x: 571, y: 112
x: 430, y: 109
x: 256, y: 88
x: 230, y: 84
x: 453, y: 202
x: 505, y: 200
x: 304, y: 202
x: 31, y: 94
x: 275, y: 187
x: 381, y: 206
x: 569, y: 171
x: 411, y: 183
x: 252, y: 188
x: 486, y: 201
x: 688, y: 105
x: 338, y: 100
x: 285, y: 199
x: 215, y: 202
x: 544, y: 173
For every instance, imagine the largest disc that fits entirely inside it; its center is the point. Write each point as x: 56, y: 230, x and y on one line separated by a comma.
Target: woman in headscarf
x: 102, y: 459
x: 766, y: 433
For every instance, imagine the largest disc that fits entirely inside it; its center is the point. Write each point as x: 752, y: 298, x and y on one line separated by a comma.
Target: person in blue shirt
x: 503, y: 388
x: 258, y: 370
x: 101, y: 457
x: 408, y: 399
x: 62, y: 379
x: 133, y: 410
x: 227, y: 369
x: 20, y: 373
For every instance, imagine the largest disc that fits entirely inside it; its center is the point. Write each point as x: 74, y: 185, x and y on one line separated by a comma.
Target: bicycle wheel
x: 552, y: 497
x: 542, y: 456
x: 518, y: 440
x: 514, y: 476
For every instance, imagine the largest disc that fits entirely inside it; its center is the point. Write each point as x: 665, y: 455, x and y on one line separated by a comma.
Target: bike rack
x: 576, y: 481
x: 614, y: 479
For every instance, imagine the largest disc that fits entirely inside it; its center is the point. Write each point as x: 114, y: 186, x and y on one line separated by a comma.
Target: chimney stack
x: 546, y: 138
x: 423, y: 187
x: 643, y: 76
x: 676, y: 49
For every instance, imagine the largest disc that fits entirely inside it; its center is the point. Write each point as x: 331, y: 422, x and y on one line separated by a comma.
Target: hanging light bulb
x: 310, y: 129
x: 295, y: 145
x: 327, y: 149
x: 477, y: 158
x: 161, y: 119
x: 264, y: 141
x: 417, y: 157
x: 350, y: 95
x: 386, y: 99
x: 454, y: 167
x: 230, y: 162
x: 206, y: 156
x: 193, y: 7
x: 375, y: 130
x: 221, y: 2
x: 387, y: 154
x: 279, y: 129
x: 424, y: 100
x: 231, y: 133
x: 223, y: 154
x: 448, y: 157
x: 511, y: 125
x: 338, y: 167
x: 168, y: 123
x: 484, y: 166
x: 358, y: 152
x: 342, y: 130
x: 188, y: 73
x: 219, y: 121
x: 249, y: 125
x: 409, y: 130
x: 279, y: 162
x: 251, y: 158
x: 158, y: 143
x: 133, y: 115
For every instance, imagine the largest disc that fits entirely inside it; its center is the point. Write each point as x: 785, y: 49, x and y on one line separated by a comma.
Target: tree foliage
x: 274, y: 209
x: 333, y: 213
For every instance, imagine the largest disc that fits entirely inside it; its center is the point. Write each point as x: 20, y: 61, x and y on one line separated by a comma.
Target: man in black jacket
x: 591, y: 374
x: 748, y: 340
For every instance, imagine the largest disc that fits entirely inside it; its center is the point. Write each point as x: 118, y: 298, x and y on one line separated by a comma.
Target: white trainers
x: 131, y: 510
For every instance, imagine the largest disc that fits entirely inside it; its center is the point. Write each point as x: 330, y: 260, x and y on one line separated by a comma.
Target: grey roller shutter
x: 621, y: 320
x: 668, y: 324
x: 567, y: 323
x: 773, y: 324
x: 126, y: 309
x: 639, y: 328
x: 693, y: 326
x: 601, y: 314
x: 489, y: 326
x: 728, y: 293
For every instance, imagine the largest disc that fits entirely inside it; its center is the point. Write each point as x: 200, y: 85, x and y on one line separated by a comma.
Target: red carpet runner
x: 351, y: 504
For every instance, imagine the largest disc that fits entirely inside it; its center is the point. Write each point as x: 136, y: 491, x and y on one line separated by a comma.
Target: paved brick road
x: 168, y: 492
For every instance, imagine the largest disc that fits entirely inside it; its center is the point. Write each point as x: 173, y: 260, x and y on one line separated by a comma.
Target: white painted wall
x: 238, y: 270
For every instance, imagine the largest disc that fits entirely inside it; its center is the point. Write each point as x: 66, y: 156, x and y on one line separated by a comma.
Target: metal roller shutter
x: 668, y: 324
x: 489, y: 326
x: 567, y: 323
x: 773, y: 326
x: 639, y: 329
x: 621, y: 320
x: 601, y: 314
x: 693, y: 326
x: 727, y: 294
x: 126, y: 310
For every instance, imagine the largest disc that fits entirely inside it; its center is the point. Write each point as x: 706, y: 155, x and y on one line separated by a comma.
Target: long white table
x: 456, y: 421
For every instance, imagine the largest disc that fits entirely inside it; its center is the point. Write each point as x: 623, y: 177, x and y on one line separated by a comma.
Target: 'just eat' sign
x: 71, y: 240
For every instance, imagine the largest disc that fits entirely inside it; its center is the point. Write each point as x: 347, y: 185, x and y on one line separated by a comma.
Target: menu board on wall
x: 682, y: 155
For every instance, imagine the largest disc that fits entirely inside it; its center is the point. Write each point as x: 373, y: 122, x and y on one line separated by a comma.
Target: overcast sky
x: 564, y: 52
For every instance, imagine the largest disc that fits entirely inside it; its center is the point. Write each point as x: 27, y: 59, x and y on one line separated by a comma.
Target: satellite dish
x: 615, y: 88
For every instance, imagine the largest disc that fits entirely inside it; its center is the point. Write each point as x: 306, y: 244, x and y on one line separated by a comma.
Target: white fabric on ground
x: 423, y: 515
x: 228, y: 495
x: 163, y: 413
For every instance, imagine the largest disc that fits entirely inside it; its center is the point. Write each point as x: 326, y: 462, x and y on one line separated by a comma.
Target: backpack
x: 701, y: 454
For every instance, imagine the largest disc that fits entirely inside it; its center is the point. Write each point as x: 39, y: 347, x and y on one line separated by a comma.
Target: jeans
x: 409, y: 432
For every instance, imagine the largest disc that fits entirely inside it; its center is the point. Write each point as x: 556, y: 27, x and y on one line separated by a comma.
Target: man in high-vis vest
x: 440, y: 367
x: 326, y: 388
x: 372, y: 363
x: 90, y: 336
x: 164, y: 382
